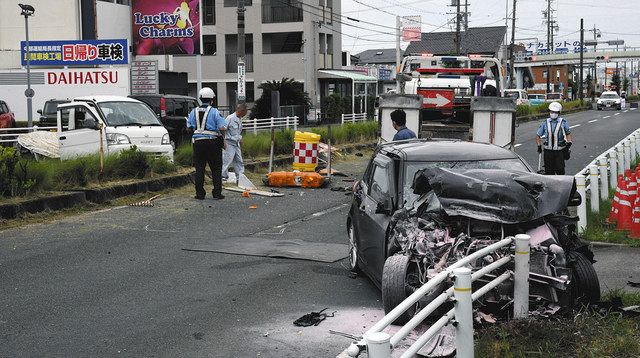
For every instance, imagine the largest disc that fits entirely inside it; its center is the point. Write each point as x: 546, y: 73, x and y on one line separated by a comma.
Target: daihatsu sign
x: 61, y: 84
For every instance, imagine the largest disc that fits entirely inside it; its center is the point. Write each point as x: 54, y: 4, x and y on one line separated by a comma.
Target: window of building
x: 322, y: 43
x: 329, y: 43
x: 234, y: 3
x: 276, y: 11
x: 209, y: 12
x: 544, y: 74
x: 209, y: 45
x: 282, y: 42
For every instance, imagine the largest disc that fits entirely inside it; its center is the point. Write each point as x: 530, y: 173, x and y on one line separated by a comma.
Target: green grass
x: 527, y: 110
x: 587, y: 334
x: 600, y: 231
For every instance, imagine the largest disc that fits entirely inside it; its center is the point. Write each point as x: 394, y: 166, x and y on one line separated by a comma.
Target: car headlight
x: 117, y: 138
x: 165, y: 139
x: 599, y: 101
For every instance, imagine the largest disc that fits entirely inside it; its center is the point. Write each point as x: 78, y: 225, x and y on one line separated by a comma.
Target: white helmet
x: 555, y: 107
x: 206, y: 92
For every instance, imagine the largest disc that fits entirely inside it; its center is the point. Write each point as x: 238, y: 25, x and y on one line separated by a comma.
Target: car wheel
x: 399, y: 281
x: 619, y: 108
x: 585, y: 287
x: 599, y: 109
x: 353, y: 249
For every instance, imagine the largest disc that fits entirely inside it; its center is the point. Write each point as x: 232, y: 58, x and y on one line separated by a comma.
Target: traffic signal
x: 602, y: 58
x: 531, y: 58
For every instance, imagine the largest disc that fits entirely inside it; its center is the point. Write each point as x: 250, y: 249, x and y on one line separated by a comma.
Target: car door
x: 80, y: 137
x: 373, y: 223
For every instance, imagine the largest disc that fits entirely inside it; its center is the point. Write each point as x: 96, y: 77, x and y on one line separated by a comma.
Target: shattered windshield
x: 514, y: 164
x: 128, y: 114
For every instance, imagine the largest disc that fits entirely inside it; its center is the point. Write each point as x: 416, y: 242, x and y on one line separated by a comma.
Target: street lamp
x: 28, y: 10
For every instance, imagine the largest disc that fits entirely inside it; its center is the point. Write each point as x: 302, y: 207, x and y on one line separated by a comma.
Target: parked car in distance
x: 7, y: 118
x: 172, y: 110
x: 521, y: 96
x: 536, y: 99
x: 48, y: 114
x: 555, y: 97
x: 609, y: 99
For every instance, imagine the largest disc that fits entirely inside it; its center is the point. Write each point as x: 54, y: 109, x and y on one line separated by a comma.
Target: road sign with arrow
x: 439, y: 99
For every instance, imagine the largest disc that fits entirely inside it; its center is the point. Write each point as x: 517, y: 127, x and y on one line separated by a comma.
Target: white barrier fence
x: 354, y: 117
x: 602, y: 174
x: 379, y: 344
x: 258, y: 124
x: 10, y: 135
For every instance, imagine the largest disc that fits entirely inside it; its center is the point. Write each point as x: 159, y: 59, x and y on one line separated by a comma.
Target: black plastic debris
x: 633, y: 284
x: 312, y: 319
x: 359, y: 154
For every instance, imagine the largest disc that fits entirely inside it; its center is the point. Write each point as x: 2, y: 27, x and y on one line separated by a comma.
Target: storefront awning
x: 357, y: 77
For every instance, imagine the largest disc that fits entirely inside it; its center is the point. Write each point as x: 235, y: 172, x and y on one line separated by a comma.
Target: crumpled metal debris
x: 546, y: 311
x: 313, y: 318
x: 633, y: 284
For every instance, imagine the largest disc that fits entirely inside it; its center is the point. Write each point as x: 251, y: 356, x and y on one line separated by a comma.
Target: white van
x: 122, y: 122
x: 521, y: 96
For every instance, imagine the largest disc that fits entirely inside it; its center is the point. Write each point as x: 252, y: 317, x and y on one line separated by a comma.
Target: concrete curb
x: 74, y: 197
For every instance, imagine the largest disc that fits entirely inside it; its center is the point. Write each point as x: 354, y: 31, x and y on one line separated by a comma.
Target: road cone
x: 635, y: 224
x: 632, y: 188
x: 625, y: 211
x: 615, y: 204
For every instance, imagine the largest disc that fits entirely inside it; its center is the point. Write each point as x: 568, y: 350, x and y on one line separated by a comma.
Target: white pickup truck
x: 107, y: 123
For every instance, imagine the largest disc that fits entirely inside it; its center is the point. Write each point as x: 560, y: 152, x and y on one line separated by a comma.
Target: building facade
x: 284, y: 38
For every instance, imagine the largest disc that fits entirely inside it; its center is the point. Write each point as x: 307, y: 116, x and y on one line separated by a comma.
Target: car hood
x: 507, y: 197
x: 141, y: 135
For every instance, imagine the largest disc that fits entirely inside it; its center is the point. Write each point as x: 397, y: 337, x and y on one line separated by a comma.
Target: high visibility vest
x: 552, y: 142
x: 201, y: 116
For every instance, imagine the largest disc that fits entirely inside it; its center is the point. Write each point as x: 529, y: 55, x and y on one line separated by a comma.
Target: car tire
x: 599, y: 109
x: 585, y: 287
x: 395, y: 288
x: 619, y: 108
x: 354, y: 265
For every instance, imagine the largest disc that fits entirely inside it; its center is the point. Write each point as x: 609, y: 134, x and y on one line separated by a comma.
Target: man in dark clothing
x: 557, y: 140
x: 208, y: 128
x: 399, y: 121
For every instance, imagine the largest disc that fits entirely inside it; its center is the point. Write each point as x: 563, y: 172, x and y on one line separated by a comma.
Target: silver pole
x: 398, y: 70
x: 29, y: 92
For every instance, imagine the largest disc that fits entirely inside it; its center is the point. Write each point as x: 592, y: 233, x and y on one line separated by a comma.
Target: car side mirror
x: 39, y: 111
x: 575, y: 199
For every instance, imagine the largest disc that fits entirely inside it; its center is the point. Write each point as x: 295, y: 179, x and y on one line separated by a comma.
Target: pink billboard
x: 166, y: 27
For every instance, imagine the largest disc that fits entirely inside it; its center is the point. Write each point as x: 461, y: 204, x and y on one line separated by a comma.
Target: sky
x: 616, y: 19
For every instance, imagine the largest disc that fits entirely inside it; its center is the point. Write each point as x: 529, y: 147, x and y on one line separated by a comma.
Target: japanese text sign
x: 75, y: 53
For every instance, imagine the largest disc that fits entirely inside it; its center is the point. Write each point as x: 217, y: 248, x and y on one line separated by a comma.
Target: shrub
x: 130, y: 163
x: 184, y: 155
x: 162, y: 165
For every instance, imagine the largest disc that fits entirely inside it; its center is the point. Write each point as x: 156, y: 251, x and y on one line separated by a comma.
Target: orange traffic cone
x: 632, y: 188
x: 635, y: 224
x: 615, y: 204
x: 627, y: 174
x: 625, y: 211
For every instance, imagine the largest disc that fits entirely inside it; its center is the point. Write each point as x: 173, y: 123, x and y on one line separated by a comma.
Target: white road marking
x: 626, y: 111
x: 617, y: 114
x: 632, y: 109
x: 574, y: 126
x: 595, y: 120
x: 517, y: 145
x: 606, y: 117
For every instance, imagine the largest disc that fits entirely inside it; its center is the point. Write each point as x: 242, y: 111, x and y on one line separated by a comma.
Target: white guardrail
x: 258, y: 124
x: 354, y: 117
x: 10, y: 135
x: 379, y: 344
x: 602, y: 174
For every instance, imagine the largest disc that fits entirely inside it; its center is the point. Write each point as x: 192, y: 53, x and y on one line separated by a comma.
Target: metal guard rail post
x: 375, y: 339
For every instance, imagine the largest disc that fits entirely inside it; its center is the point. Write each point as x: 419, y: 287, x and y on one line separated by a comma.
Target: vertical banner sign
x: 144, y: 77
x: 242, y: 94
x: 411, y: 28
x: 166, y: 27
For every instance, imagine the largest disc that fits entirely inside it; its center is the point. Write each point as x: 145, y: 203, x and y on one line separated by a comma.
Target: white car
x: 609, y: 99
x: 521, y: 96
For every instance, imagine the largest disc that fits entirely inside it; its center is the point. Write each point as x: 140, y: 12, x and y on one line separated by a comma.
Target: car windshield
x: 609, y: 96
x: 535, y: 96
x: 514, y: 95
x: 513, y: 164
x: 50, y: 107
x: 128, y: 114
x: 553, y: 96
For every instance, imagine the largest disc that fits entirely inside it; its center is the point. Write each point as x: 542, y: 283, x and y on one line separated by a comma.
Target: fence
x: 10, y: 135
x: 602, y: 174
x: 379, y: 344
x: 354, y: 117
x: 256, y: 124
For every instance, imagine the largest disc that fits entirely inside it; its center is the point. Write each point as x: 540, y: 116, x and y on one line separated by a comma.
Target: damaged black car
x: 423, y: 205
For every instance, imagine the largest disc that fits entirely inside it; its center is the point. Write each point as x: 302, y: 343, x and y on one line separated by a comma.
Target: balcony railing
x: 231, y: 62
x: 276, y: 13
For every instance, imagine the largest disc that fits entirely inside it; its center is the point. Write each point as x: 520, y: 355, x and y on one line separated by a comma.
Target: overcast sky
x: 617, y: 19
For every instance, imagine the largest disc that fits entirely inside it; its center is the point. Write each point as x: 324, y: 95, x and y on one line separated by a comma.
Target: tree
x: 589, y: 85
x: 291, y: 94
x: 625, y: 84
x: 615, y: 82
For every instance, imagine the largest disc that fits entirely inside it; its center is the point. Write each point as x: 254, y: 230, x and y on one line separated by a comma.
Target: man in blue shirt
x: 208, y: 128
x: 399, y: 121
x: 557, y: 140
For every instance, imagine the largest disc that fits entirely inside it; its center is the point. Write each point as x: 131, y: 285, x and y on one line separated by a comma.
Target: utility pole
x: 466, y: 15
x: 548, y: 43
x: 512, y: 73
x: 241, y: 92
x: 398, y: 69
x: 457, y: 27
x: 581, y: 58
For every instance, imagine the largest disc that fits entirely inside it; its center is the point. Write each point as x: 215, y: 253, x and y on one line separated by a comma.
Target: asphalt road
x: 118, y: 282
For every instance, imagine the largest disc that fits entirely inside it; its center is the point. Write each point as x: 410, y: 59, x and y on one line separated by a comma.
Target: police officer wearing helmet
x: 208, y: 128
x: 557, y: 140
